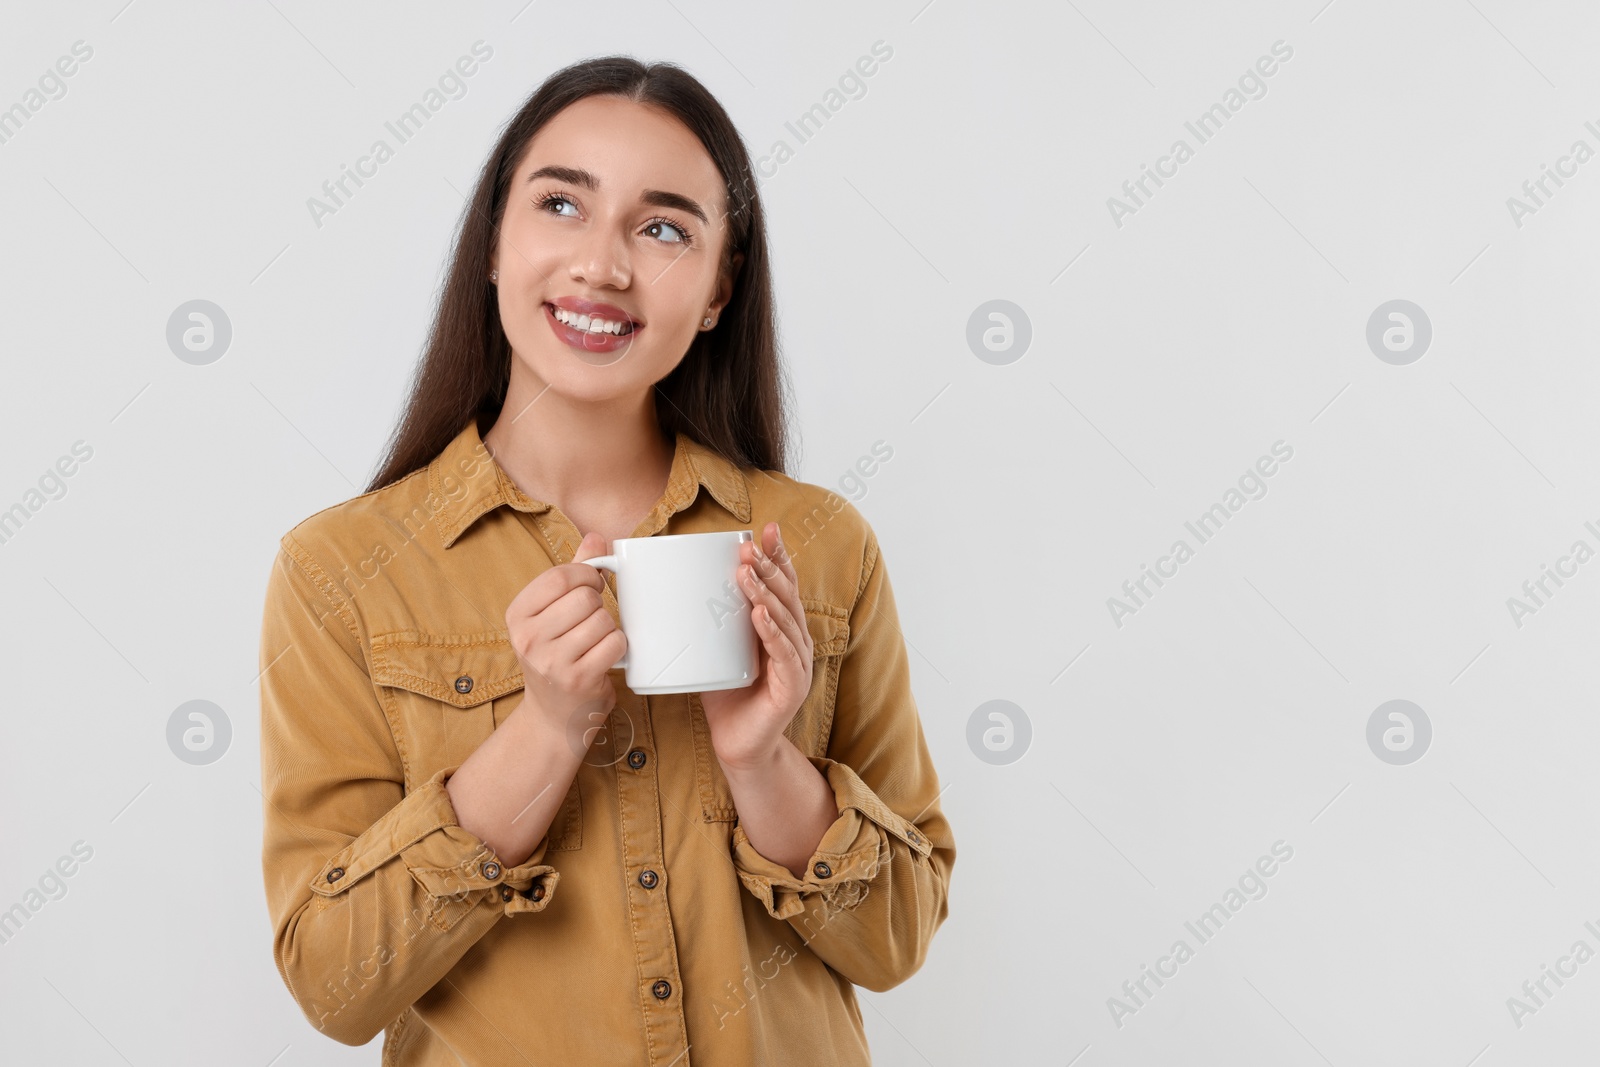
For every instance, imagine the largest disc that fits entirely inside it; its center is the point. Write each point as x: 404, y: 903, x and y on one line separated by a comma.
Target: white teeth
x: 587, y: 324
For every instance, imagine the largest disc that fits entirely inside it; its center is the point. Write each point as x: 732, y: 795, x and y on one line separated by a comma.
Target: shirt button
x: 506, y: 893
x: 662, y: 989
x: 335, y: 874
x: 464, y: 684
x: 823, y: 870
x: 648, y: 879
x: 538, y: 891
x: 636, y: 758
x: 490, y: 870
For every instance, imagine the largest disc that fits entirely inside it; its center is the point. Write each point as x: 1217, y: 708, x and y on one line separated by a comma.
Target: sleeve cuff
x: 846, y: 859
x: 450, y: 864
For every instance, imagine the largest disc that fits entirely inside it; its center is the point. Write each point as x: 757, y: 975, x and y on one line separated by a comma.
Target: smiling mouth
x: 597, y: 326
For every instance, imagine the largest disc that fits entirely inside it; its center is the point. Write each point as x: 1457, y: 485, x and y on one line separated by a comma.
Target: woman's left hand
x: 747, y: 724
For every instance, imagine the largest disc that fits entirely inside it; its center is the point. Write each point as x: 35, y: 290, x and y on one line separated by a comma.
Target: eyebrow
x: 587, y: 179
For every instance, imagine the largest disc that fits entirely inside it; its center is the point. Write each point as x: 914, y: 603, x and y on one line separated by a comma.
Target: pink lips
x: 583, y: 339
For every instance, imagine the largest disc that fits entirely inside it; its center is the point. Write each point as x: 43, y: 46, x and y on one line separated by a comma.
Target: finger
x: 605, y: 653
x: 593, y: 544
x: 550, y: 586
x: 773, y: 573
x: 573, y: 659
x: 572, y: 608
x: 781, y: 651
x: 760, y: 593
x: 787, y: 589
x: 557, y: 581
x: 779, y: 555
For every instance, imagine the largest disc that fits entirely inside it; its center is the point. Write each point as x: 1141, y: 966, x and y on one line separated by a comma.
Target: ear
x: 724, y: 291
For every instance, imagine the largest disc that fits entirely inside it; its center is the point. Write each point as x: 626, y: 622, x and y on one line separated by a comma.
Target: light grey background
x: 1168, y: 353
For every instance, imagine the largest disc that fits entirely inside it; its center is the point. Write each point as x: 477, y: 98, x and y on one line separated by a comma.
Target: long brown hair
x: 726, y: 393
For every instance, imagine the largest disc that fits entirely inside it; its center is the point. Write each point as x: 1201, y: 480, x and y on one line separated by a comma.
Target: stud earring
x: 494, y: 275
x: 706, y: 322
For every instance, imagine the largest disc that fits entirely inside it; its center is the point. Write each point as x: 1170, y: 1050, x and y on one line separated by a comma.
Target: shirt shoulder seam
x: 323, y: 584
x: 869, y: 563
x: 381, y: 490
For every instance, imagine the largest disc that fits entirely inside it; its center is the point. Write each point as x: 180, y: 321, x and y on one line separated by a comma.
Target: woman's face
x: 616, y: 213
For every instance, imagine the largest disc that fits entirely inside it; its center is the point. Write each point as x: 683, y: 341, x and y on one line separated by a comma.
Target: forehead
x: 629, y: 147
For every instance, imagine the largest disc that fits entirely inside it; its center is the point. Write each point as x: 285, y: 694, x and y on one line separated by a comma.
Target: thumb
x: 593, y: 544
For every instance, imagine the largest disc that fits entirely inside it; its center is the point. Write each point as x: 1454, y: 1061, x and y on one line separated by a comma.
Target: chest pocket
x: 444, y: 694
x: 811, y: 726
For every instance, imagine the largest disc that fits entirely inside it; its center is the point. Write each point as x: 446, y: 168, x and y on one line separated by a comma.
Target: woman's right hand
x: 567, y: 641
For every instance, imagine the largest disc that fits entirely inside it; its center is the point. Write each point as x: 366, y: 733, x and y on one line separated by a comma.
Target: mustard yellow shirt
x: 644, y: 929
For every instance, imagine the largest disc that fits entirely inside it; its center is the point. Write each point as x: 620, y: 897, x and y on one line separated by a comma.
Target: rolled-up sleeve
x: 875, y: 891
x: 374, y: 892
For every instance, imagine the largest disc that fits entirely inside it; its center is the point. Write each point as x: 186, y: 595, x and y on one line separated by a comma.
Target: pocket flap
x: 463, y: 670
x: 829, y: 626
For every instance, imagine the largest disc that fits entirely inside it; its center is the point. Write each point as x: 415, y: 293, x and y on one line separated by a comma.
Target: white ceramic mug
x: 686, y: 619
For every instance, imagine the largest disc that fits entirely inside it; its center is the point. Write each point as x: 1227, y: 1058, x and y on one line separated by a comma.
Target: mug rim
x: 743, y: 535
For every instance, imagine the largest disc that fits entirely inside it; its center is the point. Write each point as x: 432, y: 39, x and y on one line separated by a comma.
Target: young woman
x: 478, y: 840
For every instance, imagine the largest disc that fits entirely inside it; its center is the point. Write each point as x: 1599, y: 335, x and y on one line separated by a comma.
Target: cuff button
x: 505, y: 893
x: 490, y: 870
x: 822, y: 870
x: 538, y: 892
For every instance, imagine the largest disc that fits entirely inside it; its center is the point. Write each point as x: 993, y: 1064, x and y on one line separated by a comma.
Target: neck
x: 577, y: 455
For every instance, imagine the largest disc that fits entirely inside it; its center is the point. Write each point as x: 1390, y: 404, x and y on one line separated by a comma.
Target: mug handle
x: 608, y: 563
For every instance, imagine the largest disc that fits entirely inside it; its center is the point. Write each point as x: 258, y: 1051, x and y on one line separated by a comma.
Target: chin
x: 590, y: 383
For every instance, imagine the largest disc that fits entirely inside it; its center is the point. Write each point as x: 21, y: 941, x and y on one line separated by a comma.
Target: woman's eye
x: 557, y: 201
x: 667, y: 231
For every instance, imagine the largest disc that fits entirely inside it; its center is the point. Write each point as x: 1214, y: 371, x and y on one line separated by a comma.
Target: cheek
x: 674, y: 333
x: 521, y: 311
x: 525, y: 265
x: 529, y: 252
x: 677, y: 301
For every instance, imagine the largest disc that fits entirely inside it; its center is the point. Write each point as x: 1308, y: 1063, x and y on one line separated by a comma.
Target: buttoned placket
x: 639, y: 807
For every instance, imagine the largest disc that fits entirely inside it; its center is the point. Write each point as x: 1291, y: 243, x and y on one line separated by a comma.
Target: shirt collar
x: 465, y: 483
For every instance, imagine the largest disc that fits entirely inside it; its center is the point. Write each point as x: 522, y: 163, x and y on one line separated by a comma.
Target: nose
x: 601, y: 259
